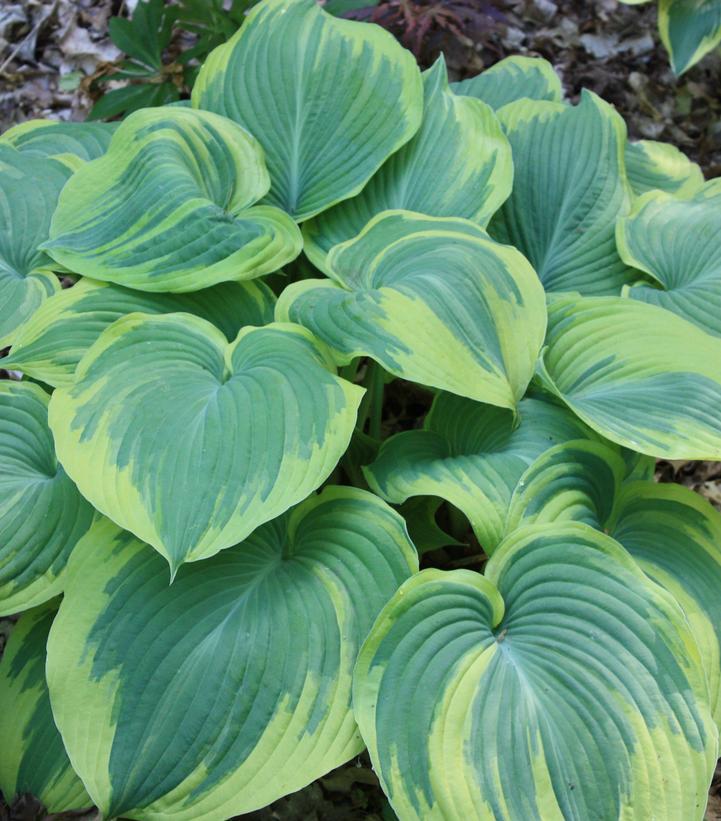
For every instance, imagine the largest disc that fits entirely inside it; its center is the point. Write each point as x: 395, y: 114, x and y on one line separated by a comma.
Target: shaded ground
x: 51, y: 49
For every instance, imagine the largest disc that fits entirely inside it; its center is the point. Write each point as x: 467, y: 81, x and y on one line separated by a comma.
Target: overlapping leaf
x: 678, y: 242
x: 70, y: 143
x: 432, y: 300
x: 29, y: 190
x: 42, y: 515
x: 562, y: 684
x: 328, y: 99
x: 33, y: 757
x: 473, y: 456
x: 513, y: 78
x: 50, y: 344
x: 653, y: 165
x: 170, y: 207
x: 458, y: 164
x: 191, y: 443
x: 638, y: 374
x: 569, y: 187
x: 231, y: 688
x: 675, y: 536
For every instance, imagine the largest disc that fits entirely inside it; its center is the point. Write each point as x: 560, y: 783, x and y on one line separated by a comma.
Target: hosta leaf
x: 678, y: 242
x: 50, y: 344
x: 562, y: 684
x: 569, y: 187
x: 169, y: 207
x: 653, y: 165
x: 328, y: 99
x: 471, y: 455
x: 513, y: 79
x: 675, y: 535
x: 574, y: 481
x: 432, y: 300
x: 458, y: 164
x: 638, y: 374
x: 231, y: 688
x: 689, y: 30
x: 42, y: 515
x: 29, y: 189
x: 190, y: 442
x: 33, y: 757
x: 420, y: 515
x: 67, y: 142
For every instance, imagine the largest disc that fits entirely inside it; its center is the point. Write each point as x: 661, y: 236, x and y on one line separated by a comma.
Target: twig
x: 33, y: 31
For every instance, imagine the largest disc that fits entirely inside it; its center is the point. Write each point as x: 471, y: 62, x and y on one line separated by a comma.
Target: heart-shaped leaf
x: 677, y: 242
x: 652, y: 165
x: 432, y: 300
x: 471, y: 455
x: 50, y: 344
x: 638, y: 374
x: 29, y: 190
x: 190, y: 442
x: 569, y: 187
x: 170, y: 207
x: 42, y: 515
x: 231, y: 688
x: 513, y: 79
x: 561, y: 684
x: 328, y: 99
x: 33, y: 757
x: 458, y: 164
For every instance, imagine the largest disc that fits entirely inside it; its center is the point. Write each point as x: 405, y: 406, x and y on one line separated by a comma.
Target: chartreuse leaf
x: 33, y: 757
x: 675, y: 535
x: 50, y: 344
x: 42, y: 515
x: 569, y: 187
x: 29, y: 189
x: 562, y: 684
x: 471, y: 455
x: 190, y: 442
x: 170, y: 207
x: 653, y: 165
x: 432, y: 300
x: 70, y: 143
x: 458, y: 164
x: 330, y: 100
x: 689, y: 29
x: 231, y: 688
x: 677, y: 242
x: 513, y: 79
x: 638, y: 374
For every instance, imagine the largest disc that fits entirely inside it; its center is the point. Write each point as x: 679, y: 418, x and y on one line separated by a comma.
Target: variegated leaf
x: 677, y: 241
x: 569, y: 187
x: 638, y: 374
x: 432, y: 300
x: 171, y: 207
x: 563, y: 683
x: 190, y: 442
x: 33, y: 758
x: 231, y: 688
x: 328, y: 99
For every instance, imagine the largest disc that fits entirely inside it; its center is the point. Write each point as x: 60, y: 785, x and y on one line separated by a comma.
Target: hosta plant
x: 213, y: 511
